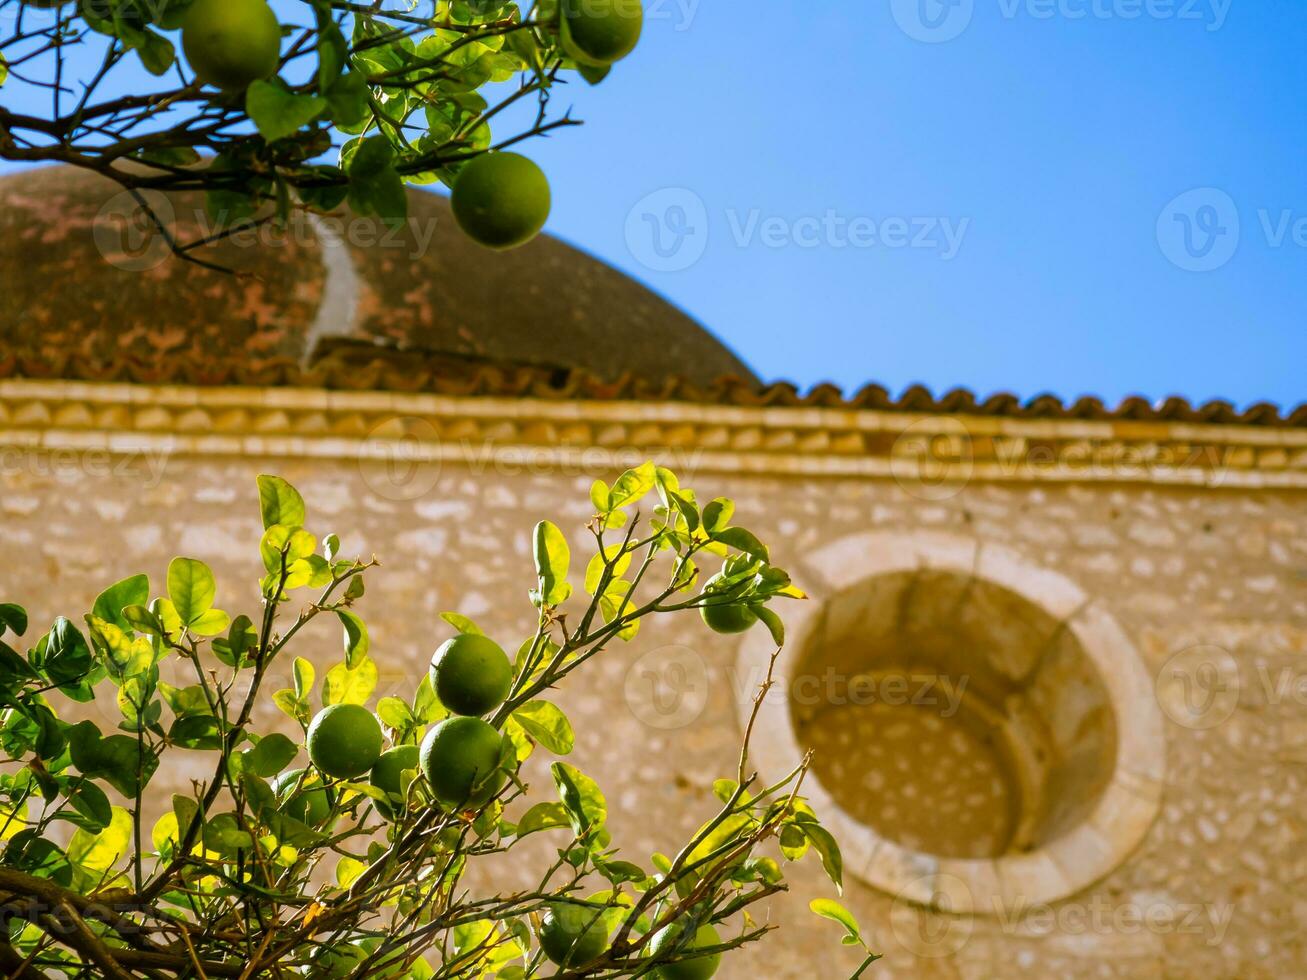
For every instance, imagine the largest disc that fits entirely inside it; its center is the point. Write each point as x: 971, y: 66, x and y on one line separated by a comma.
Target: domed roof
x: 86, y: 276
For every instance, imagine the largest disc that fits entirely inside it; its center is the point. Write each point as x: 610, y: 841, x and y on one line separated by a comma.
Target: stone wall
x: 1214, y: 891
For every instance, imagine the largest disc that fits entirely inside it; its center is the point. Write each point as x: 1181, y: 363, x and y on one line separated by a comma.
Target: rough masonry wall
x: 1215, y: 891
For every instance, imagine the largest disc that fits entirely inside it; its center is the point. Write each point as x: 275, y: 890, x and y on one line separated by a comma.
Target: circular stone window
x: 981, y: 732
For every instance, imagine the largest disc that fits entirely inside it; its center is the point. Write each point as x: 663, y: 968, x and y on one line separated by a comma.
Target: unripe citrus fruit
x: 340, y: 960
x: 670, y: 940
x: 460, y: 758
x: 310, y: 804
x: 344, y: 740
x: 573, y: 935
x: 230, y: 43
x: 387, y: 773
x: 470, y: 674
x: 501, y: 200
x: 599, y: 32
x: 725, y: 617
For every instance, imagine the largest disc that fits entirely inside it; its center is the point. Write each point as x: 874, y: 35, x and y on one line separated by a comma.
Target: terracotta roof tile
x: 361, y: 366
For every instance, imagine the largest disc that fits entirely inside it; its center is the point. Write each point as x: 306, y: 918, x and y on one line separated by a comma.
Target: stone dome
x: 87, y: 276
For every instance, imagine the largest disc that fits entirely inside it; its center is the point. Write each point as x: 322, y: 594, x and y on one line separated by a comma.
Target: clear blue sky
x: 856, y: 195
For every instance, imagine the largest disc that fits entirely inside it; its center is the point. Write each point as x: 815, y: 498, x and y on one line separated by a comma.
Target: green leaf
x: 350, y: 685
x: 830, y: 909
x: 114, y: 759
x: 279, y: 113
x: 632, y: 485
x: 773, y: 623
x: 65, y: 659
x: 303, y: 674
x: 599, y: 496
x: 594, y: 571
x: 273, y: 754
x: 89, y: 800
x: 280, y: 503
x: 831, y: 859
x: 140, y: 618
x: 156, y: 53
x: 191, y: 588
x: 552, y: 558
x: 297, y: 708
x: 224, y: 835
x: 241, y: 640
x: 547, y: 724
x: 349, y: 99
x: 581, y: 796
x: 462, y: 623
x: 211, y: 623
x: 12, y: 617
x: 133, y: 591
x: 717, y: 514
x: 357, y: 643
x: 742, y: 540
x: 198, y: 732
x: 375, y: 186
x: 99, y: 852
x: 544, y: 816
x: 396, y: 714
x: 282, y: 543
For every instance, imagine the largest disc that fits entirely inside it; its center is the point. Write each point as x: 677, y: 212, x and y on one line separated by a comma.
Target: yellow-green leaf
x: 350, y: 685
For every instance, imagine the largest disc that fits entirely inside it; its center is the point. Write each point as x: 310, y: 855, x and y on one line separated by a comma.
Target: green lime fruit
x: 460, y: 758
x: 230, y: 43
x: 337, y: 960
x: 387, y: 773
x: 470, y: 674
x: 501, y: 200
x: 573, y: 935
x: 725, y: 617
x: 344, y: 740
x: 670, y: 940
x: 311, y: 804
x: 600, y: 32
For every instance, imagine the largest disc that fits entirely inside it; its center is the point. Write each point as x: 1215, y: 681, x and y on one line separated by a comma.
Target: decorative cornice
x: 930, y: 454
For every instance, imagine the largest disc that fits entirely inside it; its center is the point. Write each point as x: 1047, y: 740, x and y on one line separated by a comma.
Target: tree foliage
x: 365, y: 97
x: 271, y: 868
